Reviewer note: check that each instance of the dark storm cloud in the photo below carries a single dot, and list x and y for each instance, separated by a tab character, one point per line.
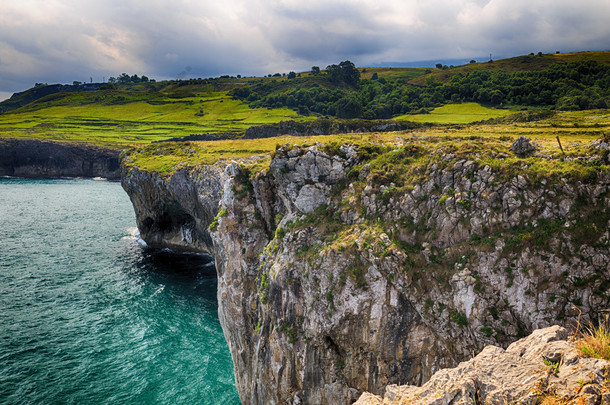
68	40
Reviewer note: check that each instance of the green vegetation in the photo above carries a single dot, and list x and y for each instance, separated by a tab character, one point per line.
486	330
463	113
263	287
553	365
524	63
458	318
122	118
290	331
577	85
137	111
214	224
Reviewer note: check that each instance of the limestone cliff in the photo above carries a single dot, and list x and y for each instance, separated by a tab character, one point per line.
45	159
545	364
343	269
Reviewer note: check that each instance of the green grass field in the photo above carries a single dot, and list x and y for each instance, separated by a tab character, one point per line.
113	119
576	130
138	114
457	114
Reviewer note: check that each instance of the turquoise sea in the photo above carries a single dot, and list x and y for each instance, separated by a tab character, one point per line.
89	316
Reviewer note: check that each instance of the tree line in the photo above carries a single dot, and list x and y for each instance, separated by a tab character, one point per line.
340	92
125	78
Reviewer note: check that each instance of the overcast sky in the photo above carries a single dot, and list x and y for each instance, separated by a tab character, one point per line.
59	41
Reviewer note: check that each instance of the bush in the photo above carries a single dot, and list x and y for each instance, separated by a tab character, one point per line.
458	318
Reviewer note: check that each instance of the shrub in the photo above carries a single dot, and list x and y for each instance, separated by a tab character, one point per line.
486	330
458	318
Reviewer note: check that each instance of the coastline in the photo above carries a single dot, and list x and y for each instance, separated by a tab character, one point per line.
32	158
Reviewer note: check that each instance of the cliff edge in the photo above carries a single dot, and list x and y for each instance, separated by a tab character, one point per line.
544	364
348	268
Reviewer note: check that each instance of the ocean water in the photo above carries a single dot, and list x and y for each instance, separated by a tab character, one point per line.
89	316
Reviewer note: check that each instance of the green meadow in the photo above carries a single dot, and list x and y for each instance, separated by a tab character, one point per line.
457	114
114	120
576	130
135	113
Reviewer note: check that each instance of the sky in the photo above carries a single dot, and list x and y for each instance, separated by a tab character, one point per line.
61	41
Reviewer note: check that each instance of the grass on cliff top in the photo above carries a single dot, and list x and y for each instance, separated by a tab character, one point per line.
595	341
123	118
576	130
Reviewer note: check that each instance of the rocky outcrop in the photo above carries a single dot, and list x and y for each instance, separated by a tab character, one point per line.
45	159
327	127
305	128
522	147
546	363
345	269
175	212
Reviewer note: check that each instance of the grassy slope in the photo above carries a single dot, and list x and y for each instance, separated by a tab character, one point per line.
516	64
457	114
111	121
137	114
575	129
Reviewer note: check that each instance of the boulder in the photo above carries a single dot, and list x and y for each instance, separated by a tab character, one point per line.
522	147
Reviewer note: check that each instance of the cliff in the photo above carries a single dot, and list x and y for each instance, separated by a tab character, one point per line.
546	365
46	159
346	268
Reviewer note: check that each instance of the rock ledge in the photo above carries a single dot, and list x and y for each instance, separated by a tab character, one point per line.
544	362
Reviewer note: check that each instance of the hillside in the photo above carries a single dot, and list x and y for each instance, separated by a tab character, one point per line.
525	63
123	114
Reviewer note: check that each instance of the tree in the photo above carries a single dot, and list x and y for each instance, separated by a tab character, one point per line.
315	70
343	73
292	75
348	107
439	65
473	61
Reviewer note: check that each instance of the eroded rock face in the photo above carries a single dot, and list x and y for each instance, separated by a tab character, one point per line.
334	280
34	158
175	212
545	362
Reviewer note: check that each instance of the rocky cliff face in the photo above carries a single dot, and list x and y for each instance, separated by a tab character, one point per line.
344	269
545	364
46	159
175	213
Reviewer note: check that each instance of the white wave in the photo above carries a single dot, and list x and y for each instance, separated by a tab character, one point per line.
134	234
158	291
